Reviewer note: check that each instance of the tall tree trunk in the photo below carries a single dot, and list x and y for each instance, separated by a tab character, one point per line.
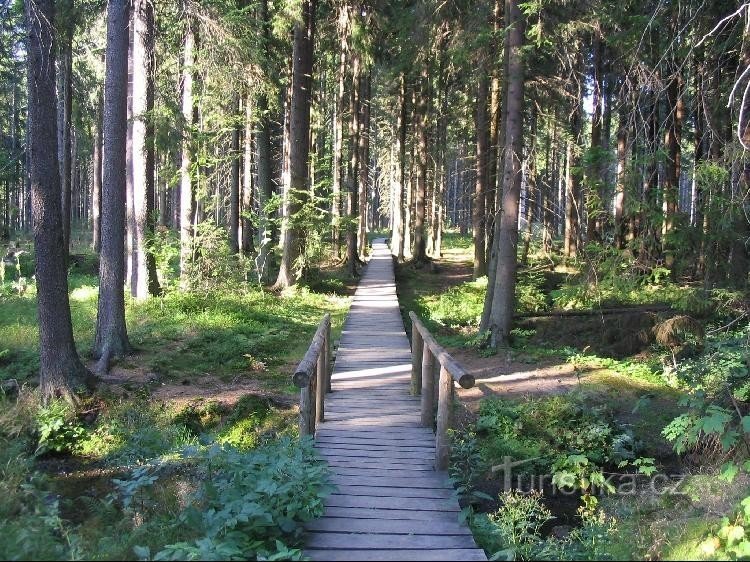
111	338
145	282
299	136
187	195
478	216
337	167
622	161
672	168
574	172
354	163
61	372
96	203
504	286
248	199
531	188
65	119
397	237
364	157
595	181
420	121
234	181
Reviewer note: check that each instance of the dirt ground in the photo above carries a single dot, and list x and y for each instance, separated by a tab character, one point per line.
121	380
499	375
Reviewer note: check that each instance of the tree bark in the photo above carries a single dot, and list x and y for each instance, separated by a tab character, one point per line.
364	158
299	141
187	195
622	161
111	339
234	181
144	280
248	197
503	302
420	216
96	203
397	237
480	191
61	372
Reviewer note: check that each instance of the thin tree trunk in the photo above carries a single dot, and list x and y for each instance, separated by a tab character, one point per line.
478	216
420	216
397	238
187	195
622	160
96	203
145	282
234	181
364	157
111	339
248	199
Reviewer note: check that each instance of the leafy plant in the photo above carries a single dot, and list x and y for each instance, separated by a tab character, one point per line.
58	428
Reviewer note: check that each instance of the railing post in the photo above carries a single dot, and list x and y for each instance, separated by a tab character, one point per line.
417	344
320	384
328	356
304	411
445	403
428	384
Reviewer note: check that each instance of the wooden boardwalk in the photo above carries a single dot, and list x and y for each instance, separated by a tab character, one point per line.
390	503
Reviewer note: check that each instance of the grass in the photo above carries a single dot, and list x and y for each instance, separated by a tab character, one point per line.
246	332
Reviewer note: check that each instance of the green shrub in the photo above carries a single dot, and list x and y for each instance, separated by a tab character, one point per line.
58	428
251	505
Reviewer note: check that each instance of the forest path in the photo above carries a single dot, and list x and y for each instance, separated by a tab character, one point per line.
390	504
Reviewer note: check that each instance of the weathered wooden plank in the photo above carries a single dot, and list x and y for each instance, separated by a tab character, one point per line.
389	454
417	504
426	482
395	492
387	526
390	541
373	445
374	463
385	472
359	555
390	514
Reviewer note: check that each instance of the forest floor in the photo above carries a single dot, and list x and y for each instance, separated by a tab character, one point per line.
563	380
209	368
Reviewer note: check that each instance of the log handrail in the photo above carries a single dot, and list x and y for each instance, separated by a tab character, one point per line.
428	360
317	362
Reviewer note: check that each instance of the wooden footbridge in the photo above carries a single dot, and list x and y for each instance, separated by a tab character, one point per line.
386	447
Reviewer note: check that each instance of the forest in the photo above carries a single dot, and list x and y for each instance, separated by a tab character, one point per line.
188	186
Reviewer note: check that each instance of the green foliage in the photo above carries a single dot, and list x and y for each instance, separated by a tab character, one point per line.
722	367
729	540
550	430
513	532
132	431
58	428
462	305
251	505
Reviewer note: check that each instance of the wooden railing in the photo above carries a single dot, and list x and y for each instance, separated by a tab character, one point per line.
433	372
313	378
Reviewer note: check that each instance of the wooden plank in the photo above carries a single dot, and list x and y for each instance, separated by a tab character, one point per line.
374	445
373	463
414	473
363	452
390	541
417	504
395	492
358	555
392	526
392	481
390	514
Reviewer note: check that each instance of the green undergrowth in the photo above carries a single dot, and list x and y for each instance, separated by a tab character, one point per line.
205	481
240	331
